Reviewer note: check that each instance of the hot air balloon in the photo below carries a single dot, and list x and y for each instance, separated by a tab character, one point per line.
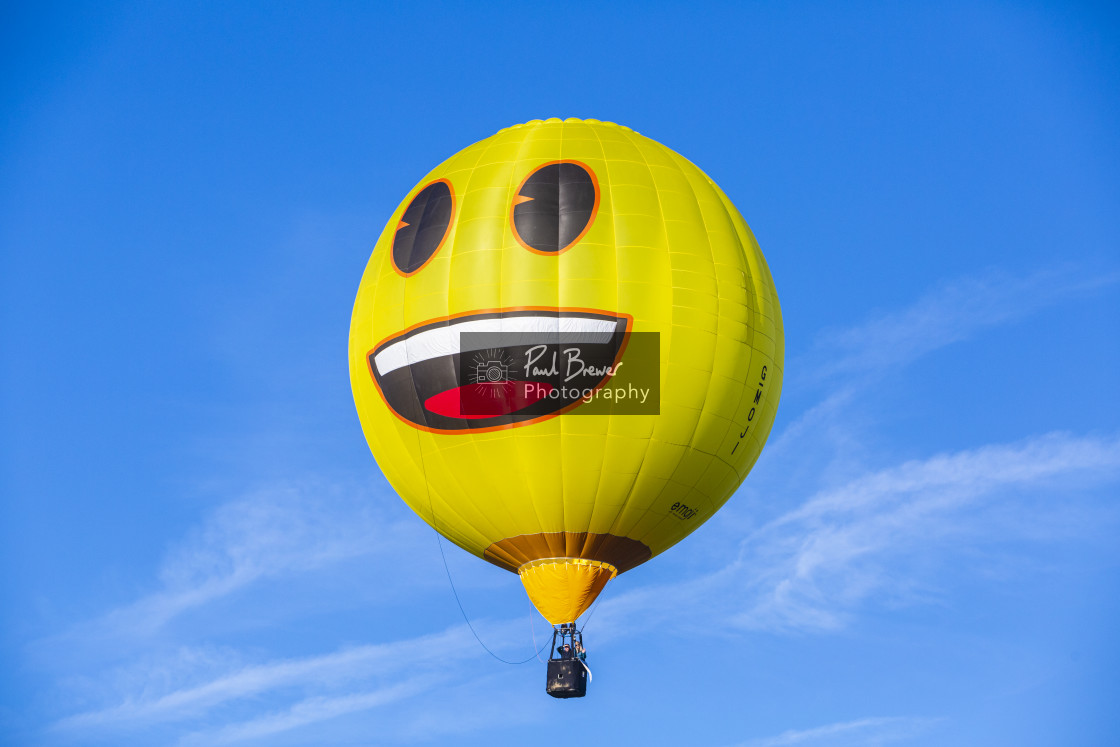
520	299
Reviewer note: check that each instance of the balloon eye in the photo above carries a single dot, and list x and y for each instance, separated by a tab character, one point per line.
554	207
423	227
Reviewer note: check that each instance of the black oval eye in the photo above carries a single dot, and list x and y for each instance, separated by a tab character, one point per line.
555	206
423	227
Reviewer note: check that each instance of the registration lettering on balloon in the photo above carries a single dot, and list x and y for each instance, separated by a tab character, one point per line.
751	412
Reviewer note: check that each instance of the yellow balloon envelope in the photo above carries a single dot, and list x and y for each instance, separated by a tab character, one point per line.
566	353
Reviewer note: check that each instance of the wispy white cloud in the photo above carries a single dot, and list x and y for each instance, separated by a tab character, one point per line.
278	533
273	532
147	702
301	691
817	562
311	711
864	731
812	567
404	712
953	312
831	439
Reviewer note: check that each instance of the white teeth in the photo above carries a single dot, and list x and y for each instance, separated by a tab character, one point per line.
517	330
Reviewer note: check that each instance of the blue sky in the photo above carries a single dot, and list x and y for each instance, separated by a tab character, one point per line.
198	548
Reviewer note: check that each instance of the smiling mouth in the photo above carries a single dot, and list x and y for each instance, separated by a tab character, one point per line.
498	369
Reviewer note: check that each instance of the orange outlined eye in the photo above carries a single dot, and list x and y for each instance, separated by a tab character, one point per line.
554	207
423	227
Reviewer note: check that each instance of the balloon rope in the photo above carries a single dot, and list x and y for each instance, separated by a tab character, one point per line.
533	628
447	570
535	655
587	619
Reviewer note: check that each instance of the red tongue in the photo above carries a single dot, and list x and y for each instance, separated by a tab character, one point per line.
487	400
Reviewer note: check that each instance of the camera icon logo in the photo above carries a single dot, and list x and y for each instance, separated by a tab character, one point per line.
491	372
490	367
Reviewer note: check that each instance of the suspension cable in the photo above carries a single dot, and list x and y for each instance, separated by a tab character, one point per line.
587	619
466	619
447	570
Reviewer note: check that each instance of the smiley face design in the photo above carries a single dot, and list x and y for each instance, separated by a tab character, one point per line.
424	374
515	287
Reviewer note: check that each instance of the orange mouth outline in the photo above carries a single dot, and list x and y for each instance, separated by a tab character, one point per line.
475	312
